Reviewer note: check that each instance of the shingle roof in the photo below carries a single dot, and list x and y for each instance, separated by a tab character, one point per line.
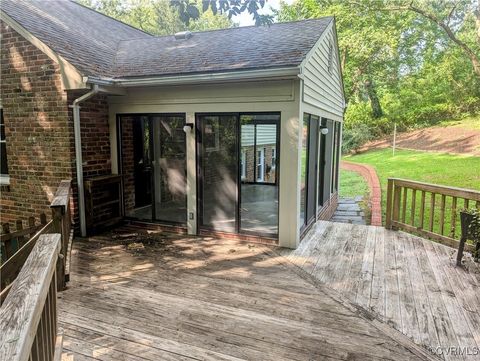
280	45
101	46
86	38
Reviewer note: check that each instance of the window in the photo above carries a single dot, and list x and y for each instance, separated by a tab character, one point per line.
336	155
3	151
260	164
304	170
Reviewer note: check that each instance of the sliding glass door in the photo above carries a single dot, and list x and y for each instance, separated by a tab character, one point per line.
238	173
218	170
153	163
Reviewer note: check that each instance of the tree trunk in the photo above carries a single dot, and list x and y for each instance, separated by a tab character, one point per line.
377	111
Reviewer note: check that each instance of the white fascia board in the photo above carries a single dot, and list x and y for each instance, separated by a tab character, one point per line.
289	72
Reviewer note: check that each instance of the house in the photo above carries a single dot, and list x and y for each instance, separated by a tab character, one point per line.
233	132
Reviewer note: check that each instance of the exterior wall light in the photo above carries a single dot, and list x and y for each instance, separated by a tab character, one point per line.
324	131
187	128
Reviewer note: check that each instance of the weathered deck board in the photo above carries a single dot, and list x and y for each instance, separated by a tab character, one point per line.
407	281
192	298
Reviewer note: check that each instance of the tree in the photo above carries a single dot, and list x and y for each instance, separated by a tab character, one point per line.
157	17
399	65
189	10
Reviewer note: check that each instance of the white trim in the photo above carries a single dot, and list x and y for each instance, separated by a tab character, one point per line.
243	159
237	75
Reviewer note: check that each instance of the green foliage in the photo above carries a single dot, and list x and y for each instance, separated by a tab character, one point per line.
354	138
158	17
418	74
188	9
474	225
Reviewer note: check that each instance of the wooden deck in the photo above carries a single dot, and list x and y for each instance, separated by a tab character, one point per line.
407	281
192	298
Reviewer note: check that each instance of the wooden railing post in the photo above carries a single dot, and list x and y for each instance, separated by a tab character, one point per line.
388	216
57	226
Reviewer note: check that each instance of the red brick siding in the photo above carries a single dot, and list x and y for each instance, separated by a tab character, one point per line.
39	130
36	124
128	166
95	133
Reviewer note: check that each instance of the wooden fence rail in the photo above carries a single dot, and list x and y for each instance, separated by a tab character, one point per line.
60	223
28	317
428	209
11	242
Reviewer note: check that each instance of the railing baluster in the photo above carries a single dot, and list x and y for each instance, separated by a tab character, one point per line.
466	203
388	216
412	212
396	203
422	210
454	217
442	214
404	204
432	211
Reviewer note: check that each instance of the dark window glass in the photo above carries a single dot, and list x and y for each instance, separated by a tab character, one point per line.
304	169
259	186
3	146
219	172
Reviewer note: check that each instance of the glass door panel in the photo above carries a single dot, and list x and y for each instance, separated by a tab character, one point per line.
169	169
218	170
259	186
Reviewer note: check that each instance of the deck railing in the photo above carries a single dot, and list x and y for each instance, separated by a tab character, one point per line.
427	209
28	317
60	223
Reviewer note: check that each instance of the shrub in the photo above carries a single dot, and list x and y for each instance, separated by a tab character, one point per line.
354	138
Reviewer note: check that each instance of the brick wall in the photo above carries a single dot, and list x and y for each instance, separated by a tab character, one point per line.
38	134
95	133
128	166
39	130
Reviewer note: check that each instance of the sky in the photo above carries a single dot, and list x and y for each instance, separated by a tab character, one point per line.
245	19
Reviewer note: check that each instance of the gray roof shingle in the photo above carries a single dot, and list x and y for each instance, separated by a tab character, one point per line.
101	46
86	38
280	45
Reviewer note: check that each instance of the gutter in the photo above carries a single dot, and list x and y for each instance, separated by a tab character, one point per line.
196	78
78	156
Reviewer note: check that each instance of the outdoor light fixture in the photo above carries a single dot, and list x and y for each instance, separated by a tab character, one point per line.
324	131
187	127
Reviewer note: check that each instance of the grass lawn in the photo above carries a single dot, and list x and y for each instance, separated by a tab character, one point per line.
352	184
442	169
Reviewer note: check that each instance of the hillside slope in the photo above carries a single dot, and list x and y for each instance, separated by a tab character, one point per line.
462	137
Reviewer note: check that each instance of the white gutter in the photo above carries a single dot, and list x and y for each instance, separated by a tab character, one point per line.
197	78
78	156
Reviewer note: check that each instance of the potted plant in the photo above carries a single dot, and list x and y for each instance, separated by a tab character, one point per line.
470	222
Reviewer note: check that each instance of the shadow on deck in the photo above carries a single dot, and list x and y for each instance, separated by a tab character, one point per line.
201	298
408	282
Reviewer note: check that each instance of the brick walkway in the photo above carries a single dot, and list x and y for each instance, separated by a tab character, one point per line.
370	175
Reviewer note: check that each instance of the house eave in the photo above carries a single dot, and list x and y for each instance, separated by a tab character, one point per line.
244	75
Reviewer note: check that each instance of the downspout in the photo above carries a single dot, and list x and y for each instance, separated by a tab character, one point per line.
78	156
